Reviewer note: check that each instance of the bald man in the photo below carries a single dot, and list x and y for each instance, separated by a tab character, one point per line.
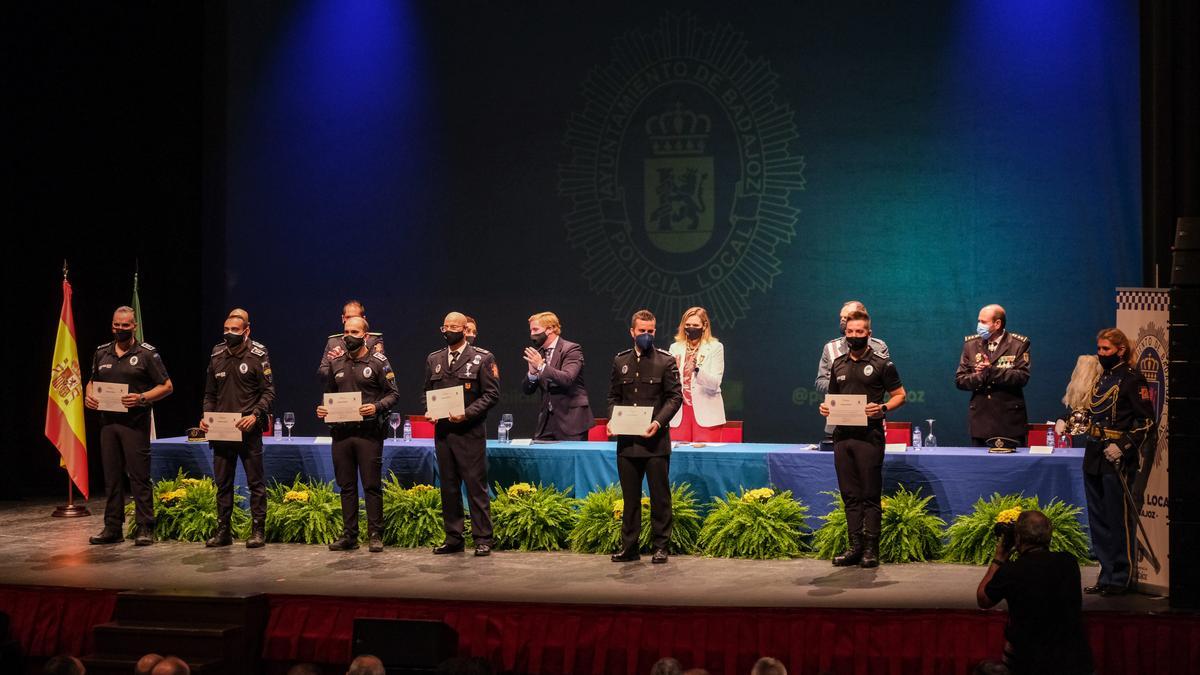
995	368
461	440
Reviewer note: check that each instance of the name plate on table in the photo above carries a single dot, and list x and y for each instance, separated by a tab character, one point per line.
895	448
108	395
1041	450
631	420
222	426
847	410
343	406
443	403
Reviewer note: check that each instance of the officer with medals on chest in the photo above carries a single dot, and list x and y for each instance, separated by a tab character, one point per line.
335	344
1120	414
239	380
358	446
858	451
460	441
645	376
125	436
994	367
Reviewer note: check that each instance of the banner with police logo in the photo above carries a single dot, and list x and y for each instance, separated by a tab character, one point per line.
1142	314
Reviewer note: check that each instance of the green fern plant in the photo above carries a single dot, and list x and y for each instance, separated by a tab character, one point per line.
760	524
598	528
412	517
186	509
533	517
971	538
303	512
908	532
832	538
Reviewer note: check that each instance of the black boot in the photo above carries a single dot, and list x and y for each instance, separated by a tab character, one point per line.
852	555
870	554
108	536
258	535
348	542
221	537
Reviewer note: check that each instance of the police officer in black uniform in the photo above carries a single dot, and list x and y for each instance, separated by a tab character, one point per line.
335	346
858	451
239	380
645	376
358	446
994	367
1122	420
125	436
461	441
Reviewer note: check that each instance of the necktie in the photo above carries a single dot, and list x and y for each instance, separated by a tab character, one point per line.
454	358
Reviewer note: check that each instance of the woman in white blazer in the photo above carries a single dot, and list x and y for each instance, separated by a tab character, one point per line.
701	359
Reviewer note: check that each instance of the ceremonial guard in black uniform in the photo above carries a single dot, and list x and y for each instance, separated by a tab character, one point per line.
461	441
125	436
358	446
995	368
645	376
239	380
1121	414
858	451
335	345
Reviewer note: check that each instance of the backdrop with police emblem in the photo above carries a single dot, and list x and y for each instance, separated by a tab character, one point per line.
765	161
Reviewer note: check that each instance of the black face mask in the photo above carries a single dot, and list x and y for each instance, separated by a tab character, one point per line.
693	333
857	343
123	334
353	343
539	339
232	340
1109	361
453	337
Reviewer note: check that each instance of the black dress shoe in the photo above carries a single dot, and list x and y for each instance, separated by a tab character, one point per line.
376	545
483	550
445	549
221	537
660	556
626	556
107	536
1110	591
346	543
145	537
1093	590
258	538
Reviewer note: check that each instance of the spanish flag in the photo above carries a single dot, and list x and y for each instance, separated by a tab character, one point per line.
64	408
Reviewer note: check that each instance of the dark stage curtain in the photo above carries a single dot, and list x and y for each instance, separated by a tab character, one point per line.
52	620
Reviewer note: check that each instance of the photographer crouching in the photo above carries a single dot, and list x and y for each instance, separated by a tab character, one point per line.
1045	631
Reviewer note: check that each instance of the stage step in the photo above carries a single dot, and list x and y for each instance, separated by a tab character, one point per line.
216	633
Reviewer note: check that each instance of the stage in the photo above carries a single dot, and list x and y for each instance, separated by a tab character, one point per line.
564	612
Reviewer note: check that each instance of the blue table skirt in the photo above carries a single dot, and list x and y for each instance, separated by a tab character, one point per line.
956	477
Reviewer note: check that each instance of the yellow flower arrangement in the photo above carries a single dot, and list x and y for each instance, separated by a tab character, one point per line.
173	495
518	490
883	503
294	496
618	509
421	487
645	502
761	495
1008	515
191	481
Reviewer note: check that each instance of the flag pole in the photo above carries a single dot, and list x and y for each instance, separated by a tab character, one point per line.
70	509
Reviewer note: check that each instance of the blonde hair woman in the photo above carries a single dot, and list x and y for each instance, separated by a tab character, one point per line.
701	359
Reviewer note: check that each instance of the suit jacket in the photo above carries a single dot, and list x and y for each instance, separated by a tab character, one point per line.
565	410
652	380
476	371
707	404
997	405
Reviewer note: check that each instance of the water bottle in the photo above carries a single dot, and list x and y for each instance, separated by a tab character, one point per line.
916	436
1050	436
407	430
278	428
502	433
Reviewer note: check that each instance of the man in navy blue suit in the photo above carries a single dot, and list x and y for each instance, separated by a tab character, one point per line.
556	369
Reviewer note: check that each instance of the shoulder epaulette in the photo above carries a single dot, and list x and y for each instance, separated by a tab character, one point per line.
1018	336
218	348
663	351
375	334
972	337
381	356
481	350
435	352
258	344
147	345
336	335
625	352
106	344
258	352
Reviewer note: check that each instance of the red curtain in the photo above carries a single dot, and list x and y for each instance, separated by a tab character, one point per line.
49	620
627	640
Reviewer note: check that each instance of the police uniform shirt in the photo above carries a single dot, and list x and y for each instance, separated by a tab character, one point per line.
336	343
476	371
140	367
239	380
650	379
997	407
1120	402
873	375
372	375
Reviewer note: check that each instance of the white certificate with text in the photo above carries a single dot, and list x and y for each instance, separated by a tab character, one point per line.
222	426
631	420
109	395
847	410
442	403
343	406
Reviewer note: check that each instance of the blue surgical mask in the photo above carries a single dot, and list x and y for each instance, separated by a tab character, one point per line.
645	342
983	331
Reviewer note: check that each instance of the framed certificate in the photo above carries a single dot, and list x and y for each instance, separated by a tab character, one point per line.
631	420
847	410
343	406
109	395
442	403
222	426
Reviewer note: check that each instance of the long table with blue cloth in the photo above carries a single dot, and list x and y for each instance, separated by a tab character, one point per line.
956	477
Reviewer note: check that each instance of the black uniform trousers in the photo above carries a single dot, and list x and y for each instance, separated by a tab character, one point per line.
225	459
1112	525
462	459
859	465
358	453
656	470
125	449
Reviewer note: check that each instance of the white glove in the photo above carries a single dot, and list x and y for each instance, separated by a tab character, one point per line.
1112	453
1060	428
